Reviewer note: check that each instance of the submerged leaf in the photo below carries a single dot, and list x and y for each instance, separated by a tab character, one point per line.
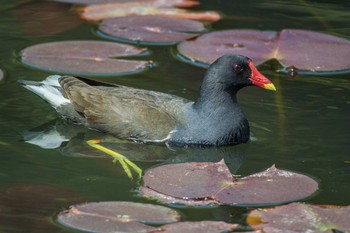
155	29
116	217
84	57
43	18
301	217
212	183
297	49
156	8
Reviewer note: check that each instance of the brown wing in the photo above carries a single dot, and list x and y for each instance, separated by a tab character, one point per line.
123	111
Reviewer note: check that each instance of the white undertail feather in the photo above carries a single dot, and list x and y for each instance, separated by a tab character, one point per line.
49	90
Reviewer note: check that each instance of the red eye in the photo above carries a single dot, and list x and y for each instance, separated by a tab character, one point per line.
237	68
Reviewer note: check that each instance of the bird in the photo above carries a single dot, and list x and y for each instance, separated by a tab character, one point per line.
146	116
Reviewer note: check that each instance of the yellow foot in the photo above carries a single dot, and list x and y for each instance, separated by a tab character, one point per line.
125	162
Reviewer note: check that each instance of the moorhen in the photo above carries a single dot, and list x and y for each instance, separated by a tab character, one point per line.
215	119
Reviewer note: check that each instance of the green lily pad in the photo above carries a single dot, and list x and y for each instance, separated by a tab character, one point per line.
84	58
212	183
151	29
301	50
301	217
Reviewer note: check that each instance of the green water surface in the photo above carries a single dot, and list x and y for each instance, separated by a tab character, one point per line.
303	127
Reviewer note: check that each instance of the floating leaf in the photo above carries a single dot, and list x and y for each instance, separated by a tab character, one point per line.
301	217
117	216
164	3
200	227
84	57
188	180
299	49
154	29
212	183
156	8
45	18
272	186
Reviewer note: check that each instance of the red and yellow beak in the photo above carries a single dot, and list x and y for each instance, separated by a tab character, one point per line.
260	80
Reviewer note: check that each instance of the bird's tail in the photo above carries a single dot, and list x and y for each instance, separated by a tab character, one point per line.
49	90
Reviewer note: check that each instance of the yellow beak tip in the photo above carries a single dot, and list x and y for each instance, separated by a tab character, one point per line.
270	87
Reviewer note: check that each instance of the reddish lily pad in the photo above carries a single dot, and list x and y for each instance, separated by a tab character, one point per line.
84	57
117	217
210	183
164	3
200	227
151	29
156	8
297	49
301	217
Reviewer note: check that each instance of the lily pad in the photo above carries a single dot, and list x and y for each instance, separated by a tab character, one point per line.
200	227
298	49
165	3
156	8
1	75
212	183
151	29
117	217
84	58
301	217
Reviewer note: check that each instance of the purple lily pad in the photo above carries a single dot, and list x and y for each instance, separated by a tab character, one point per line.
200	227
298	49
168	3
188	180
272	186
299	217
208	47
156	7
84	57
151	29
212	183
117	217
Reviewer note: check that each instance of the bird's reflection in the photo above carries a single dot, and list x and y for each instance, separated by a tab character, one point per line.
71	139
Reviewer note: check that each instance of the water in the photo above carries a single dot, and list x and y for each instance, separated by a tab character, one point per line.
303	127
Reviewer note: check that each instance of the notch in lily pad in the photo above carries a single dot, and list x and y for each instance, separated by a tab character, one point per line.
212	183
88	58
303	51
153	30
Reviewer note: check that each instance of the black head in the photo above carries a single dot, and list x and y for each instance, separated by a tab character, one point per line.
233	72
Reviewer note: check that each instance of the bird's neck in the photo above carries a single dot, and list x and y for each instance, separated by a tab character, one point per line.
213	95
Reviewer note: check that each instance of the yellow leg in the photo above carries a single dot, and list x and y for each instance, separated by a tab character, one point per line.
125	162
